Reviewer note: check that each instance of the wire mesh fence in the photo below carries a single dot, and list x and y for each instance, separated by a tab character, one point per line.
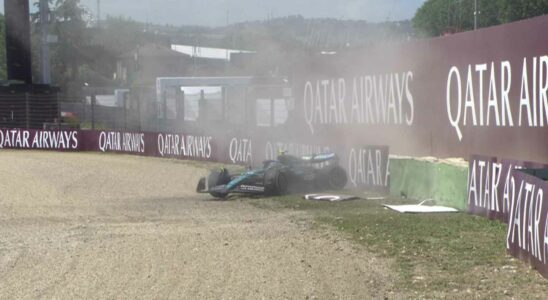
134	110
28	109
196	109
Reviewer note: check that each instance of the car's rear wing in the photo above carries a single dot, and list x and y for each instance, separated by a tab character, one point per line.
320	158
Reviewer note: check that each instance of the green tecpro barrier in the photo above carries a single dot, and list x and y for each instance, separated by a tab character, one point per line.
429	179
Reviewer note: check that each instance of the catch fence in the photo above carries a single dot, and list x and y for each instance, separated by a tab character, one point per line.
28	109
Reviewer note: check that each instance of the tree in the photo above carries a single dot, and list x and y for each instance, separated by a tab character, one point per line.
436	17
85	54
515	10
69	53
121	35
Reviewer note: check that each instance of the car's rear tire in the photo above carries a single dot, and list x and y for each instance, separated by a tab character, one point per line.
276	182
216	178
281	184
337	178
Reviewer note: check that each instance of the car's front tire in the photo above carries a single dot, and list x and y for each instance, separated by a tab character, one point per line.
216	178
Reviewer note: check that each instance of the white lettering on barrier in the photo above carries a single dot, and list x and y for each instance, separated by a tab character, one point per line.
23	139
483	183
240	151
371	100
187	146
524	227
495	181
365	167
118	141
533	100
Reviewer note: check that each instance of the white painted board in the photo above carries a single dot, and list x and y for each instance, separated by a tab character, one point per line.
418	208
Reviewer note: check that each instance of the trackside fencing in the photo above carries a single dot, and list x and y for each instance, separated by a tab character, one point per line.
28	109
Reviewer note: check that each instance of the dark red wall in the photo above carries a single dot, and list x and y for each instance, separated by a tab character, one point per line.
426	66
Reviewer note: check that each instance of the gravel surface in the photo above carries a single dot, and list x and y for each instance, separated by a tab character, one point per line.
80	225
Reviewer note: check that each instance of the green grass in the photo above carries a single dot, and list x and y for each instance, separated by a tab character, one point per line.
446	253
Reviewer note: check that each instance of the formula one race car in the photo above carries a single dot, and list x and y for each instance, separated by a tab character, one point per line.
277	177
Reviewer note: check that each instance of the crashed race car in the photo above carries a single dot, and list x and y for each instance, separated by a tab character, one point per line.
277	177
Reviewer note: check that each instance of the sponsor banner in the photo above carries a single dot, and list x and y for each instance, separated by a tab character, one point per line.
527	236
367	167
62	140
483	180
505	194
115	141
490	185
251	188
472	92
504	190
184	146
240	151
357	101
169	145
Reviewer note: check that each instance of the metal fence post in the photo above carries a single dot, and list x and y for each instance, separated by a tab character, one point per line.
182	106
27	112
246	107
138	97
83	117
125	97
224	102
272	117
93	111
58	105
203	110
164	110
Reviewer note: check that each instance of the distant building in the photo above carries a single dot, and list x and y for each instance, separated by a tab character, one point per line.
208	53
233	62
143	65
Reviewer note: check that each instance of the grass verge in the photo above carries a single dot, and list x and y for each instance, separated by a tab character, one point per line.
434	255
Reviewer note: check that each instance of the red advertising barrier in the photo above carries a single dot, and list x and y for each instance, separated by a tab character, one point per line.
504	190
483	181
527	236
168	145
69	140
367	166
478	92
491	185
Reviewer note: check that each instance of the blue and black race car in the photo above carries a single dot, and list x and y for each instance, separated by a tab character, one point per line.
277	177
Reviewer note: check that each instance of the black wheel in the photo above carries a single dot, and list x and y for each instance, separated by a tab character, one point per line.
337	178
216	178
276	182
201	185
281	184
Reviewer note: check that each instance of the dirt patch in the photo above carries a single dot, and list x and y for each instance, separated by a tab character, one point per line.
111	226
